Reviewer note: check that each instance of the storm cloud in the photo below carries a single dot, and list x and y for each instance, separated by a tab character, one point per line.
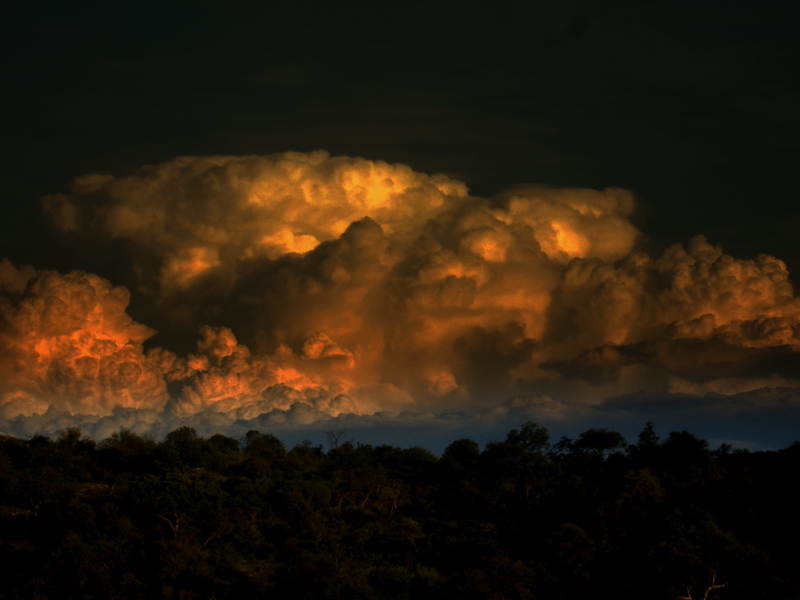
309	287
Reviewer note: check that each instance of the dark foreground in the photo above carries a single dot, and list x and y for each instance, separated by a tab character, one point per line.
223	518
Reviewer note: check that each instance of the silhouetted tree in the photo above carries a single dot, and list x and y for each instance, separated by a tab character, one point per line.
600	442
531	436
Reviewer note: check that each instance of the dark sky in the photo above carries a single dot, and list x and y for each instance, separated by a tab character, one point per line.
691	105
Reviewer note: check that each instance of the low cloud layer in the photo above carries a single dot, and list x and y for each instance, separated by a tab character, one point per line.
316	287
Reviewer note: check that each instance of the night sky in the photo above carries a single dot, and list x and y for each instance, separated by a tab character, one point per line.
685	113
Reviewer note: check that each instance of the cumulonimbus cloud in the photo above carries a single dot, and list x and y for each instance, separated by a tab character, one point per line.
66	340
354	286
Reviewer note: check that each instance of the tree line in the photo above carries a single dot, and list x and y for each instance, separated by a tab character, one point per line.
591	517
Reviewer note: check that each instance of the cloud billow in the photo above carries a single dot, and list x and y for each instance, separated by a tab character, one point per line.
351	286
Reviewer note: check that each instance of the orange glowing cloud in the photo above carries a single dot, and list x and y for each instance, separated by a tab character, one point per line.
352	286
66	340
198	214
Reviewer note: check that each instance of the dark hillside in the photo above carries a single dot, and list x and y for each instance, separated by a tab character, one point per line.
592	517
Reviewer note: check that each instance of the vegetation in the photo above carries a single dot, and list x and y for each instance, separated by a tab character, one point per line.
223	518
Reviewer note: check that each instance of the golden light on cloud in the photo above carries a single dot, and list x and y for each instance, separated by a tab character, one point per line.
67	340
567	241
348	285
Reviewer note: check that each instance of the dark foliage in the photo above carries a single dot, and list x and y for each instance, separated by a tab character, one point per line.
221	518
